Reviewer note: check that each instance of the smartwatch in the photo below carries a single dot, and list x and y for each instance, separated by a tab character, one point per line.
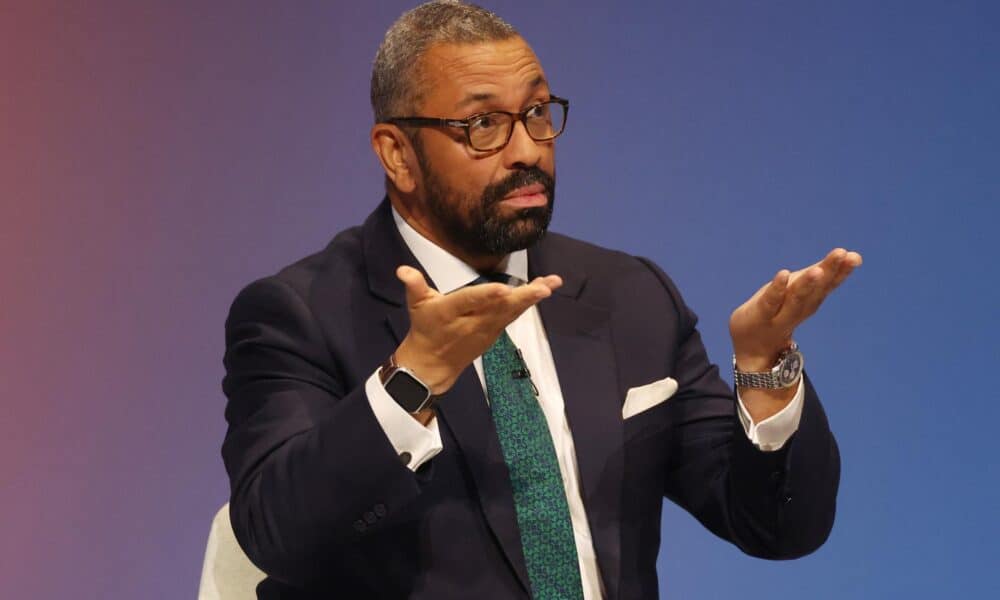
404	386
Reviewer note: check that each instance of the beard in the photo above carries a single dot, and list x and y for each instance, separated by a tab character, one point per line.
479	226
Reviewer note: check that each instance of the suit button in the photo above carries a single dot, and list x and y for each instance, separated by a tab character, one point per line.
379	510
788	499
360	525
370	517
404	457
775	476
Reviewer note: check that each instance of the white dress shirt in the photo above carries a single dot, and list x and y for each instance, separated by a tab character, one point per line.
527	332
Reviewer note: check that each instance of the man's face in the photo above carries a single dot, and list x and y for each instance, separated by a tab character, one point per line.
485	203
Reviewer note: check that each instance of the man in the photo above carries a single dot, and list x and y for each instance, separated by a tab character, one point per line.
447	402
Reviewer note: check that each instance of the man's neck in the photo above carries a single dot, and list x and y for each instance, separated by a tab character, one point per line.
419	221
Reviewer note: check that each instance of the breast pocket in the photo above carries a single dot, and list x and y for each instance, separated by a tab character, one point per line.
644	397
644	408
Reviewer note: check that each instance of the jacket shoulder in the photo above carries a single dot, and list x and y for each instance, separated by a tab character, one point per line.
607	266
341	259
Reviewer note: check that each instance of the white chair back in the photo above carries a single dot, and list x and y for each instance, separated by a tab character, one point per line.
227	573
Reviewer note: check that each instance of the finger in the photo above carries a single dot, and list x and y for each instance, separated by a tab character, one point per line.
852	260
524	297
836	271
553	282
832	276
831	265
831	262
475	298
828	264
417	289
531	293
837	265
809	287
773	294
797	303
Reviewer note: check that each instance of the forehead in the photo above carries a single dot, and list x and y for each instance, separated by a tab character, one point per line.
483	75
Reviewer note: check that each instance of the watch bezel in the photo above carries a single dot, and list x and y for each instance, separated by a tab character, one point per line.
791	358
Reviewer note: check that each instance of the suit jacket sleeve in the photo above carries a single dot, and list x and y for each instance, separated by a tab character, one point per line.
306	457
774	505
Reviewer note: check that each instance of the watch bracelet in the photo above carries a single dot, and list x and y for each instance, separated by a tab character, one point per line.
764	381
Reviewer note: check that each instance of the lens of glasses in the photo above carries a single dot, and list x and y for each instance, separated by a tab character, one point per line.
545	121
490	131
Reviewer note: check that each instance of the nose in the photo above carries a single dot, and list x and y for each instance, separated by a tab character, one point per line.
521	151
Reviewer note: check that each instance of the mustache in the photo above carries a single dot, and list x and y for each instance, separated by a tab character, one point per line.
496	192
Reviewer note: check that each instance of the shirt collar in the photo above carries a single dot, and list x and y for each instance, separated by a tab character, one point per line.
448	272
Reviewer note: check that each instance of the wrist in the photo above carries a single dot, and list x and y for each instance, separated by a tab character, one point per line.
756	358
751	363
424	417
435	374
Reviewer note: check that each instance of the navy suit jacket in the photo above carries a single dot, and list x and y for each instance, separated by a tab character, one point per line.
321	502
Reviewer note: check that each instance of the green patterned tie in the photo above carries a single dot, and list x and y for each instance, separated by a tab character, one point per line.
539	496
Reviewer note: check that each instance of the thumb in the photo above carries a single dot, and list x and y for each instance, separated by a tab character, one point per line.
417	289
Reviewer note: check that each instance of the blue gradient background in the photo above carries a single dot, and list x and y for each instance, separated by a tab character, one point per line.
157	156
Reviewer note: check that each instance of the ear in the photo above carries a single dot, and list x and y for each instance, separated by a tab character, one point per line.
396	154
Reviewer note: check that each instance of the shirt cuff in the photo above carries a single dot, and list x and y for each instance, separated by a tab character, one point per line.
414	443
773	432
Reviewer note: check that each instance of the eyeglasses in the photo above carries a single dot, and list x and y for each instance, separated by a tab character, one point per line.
491	131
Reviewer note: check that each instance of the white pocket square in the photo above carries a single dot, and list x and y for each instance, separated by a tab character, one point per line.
647	396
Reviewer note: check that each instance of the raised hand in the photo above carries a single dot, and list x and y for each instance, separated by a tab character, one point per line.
448	331
763	325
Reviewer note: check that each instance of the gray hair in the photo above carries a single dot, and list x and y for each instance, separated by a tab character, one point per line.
395	74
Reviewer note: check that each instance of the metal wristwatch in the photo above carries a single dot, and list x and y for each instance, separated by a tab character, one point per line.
404	386
785	374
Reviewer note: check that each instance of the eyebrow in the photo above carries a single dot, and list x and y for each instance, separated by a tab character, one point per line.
487	96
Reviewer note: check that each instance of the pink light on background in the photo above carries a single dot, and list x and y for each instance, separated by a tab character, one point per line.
87	304
134	142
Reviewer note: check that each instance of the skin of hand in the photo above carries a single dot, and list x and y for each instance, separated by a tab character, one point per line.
448	331
762	327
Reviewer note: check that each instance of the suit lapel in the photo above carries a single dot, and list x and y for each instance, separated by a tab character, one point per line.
463	410
580	338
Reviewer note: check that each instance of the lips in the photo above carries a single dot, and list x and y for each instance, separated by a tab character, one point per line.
527	196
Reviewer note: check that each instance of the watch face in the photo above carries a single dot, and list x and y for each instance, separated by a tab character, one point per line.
791	367
407	390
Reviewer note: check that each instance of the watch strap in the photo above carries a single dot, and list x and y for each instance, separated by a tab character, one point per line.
387	369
